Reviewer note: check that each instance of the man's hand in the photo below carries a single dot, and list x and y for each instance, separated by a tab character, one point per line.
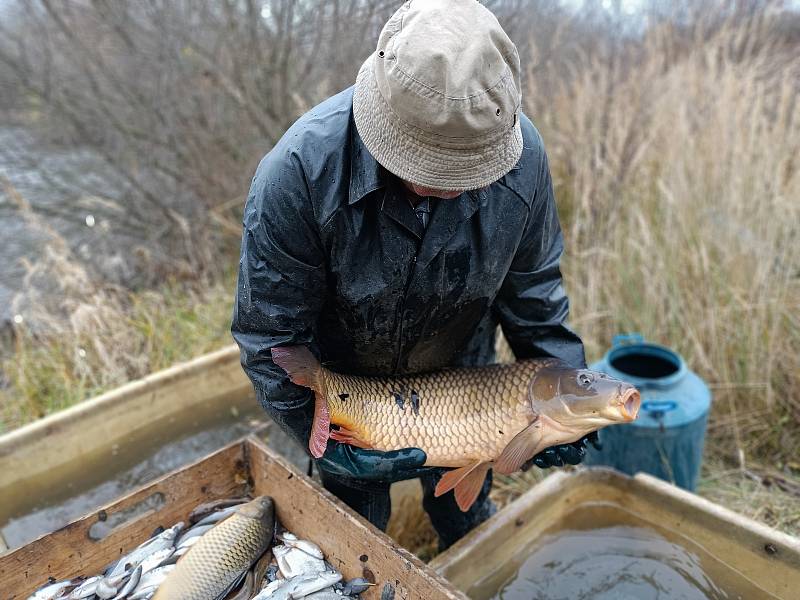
564	454
344	460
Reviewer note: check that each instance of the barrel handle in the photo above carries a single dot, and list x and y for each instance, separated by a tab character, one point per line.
659	406
623	339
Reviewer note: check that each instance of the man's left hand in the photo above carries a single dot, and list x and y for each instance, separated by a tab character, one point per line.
564	454
349	462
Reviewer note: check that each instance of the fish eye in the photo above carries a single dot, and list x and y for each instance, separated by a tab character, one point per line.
585	379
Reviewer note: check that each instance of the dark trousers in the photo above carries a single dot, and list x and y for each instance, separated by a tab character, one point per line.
372	501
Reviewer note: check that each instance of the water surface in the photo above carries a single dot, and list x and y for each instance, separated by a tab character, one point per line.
604	553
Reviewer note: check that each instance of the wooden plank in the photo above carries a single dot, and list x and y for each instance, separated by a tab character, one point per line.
349	542
71	551
767	557
44	459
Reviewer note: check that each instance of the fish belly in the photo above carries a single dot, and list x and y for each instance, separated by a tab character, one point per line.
456	416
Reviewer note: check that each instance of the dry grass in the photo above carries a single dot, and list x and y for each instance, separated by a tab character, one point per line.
80	337
677	168
761	493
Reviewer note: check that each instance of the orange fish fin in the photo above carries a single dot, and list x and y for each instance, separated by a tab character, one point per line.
520	449
468	488
467	482
347	436
304	369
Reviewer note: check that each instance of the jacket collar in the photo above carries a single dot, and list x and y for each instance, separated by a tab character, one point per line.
366	175
446	219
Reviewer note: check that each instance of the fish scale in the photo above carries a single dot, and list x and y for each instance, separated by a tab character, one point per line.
456	410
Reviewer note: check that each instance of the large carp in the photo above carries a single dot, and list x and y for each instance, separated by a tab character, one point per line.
497	416
212	567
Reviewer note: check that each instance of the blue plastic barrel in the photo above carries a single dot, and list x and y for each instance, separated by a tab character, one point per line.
667	439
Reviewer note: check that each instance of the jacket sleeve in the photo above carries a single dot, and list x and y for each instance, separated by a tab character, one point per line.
532	305
281	286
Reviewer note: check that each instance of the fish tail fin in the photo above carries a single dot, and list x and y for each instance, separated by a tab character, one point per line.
304	369
466	483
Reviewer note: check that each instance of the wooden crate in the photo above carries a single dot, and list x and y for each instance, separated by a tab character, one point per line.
349	542
766	557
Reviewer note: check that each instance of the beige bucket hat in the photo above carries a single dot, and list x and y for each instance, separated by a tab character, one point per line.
438	102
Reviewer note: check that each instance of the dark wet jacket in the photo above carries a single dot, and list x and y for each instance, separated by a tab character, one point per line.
334	257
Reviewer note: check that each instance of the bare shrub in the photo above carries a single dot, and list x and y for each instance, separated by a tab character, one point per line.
181	99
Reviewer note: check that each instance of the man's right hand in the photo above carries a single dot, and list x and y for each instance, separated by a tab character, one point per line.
344	460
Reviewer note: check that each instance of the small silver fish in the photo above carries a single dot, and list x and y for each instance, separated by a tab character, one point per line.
300	586
105	590
156	559
216	517
150	582
108	586
194	532
51	590
188	543
165	539
205	509
154	578
86	589
144	593
130	585
309	548
293	561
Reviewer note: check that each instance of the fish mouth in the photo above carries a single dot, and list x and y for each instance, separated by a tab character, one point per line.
629	407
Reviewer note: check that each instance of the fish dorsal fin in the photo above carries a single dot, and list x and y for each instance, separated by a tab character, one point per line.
520	449
466	482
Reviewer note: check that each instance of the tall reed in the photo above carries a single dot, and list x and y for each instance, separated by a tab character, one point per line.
676	160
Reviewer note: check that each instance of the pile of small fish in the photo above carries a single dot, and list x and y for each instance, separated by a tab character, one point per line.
226	553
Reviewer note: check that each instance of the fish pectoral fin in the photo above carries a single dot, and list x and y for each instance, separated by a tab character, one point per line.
320	428
347	436
233	585
304	369
466	482
520	449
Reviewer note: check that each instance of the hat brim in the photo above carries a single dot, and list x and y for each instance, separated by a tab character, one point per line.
424	159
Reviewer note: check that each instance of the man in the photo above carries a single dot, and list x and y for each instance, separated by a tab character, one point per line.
393	227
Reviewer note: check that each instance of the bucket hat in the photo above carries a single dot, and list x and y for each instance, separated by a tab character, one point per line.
438	102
